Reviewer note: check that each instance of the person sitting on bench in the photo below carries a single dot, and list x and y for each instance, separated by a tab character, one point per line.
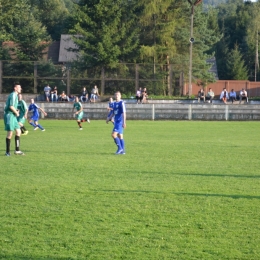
210	95
243	95
201	95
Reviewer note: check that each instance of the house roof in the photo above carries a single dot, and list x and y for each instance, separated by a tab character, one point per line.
67	45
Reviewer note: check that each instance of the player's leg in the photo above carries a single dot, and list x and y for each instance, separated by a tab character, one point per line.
8	142
31	122
122	142
17	142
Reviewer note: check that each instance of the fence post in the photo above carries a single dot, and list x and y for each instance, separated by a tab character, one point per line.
190	112
170	81
35	72
153	112
68	80
226	113
102	81
136	77
1	74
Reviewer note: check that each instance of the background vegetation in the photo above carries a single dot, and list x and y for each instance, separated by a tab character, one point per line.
148	32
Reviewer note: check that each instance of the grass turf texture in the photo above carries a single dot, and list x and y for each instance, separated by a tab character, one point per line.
184	190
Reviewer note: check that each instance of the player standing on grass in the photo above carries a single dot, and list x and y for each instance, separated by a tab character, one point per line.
79	113
10	120
35	116
119	113
23	111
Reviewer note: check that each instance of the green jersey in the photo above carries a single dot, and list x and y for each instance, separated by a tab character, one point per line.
78	106
12	100
22	107
10	119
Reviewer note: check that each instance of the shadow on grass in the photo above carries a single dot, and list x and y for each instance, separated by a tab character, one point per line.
221	175
185	194
15	257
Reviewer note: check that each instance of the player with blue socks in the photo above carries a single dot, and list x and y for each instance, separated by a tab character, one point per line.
34	108
119	113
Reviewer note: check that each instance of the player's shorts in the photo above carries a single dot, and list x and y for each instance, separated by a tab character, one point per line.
35	118
80	115
10	121
21	119
118	128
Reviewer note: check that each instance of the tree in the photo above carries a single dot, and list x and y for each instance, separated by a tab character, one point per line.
53	14
107	31
236	66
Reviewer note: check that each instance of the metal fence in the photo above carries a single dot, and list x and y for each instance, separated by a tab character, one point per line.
126	77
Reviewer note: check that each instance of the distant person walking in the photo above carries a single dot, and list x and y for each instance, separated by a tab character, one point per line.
34	119
79	113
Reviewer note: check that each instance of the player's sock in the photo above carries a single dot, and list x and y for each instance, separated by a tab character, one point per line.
40	127
8	142
22	129
83	120
117	141
17	143
122	142
34	125
79	124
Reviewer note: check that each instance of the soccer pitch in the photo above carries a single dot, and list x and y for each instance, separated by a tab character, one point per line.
184	190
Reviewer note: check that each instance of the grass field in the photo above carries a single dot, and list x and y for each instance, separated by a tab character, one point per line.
184	190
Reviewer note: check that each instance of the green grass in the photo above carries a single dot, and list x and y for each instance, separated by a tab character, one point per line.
184	190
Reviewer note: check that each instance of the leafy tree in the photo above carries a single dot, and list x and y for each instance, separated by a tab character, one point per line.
53	14
236	66
107	29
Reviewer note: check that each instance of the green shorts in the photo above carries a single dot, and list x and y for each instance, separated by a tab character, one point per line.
21	120
10	121
80	115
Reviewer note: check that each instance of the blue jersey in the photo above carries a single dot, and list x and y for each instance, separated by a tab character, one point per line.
119	110
110	105
35	109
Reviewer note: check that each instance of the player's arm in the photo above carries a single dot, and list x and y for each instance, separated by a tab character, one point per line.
43	111
124	122
109	117
16	112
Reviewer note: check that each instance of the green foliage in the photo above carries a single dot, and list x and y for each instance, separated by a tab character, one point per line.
235	65
70	197
107	32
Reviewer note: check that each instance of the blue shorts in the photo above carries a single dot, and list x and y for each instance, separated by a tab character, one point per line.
35	118
118	128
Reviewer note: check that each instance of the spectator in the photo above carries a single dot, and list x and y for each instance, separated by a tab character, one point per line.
63	96
138	96
201	95
47	91
232	95
243	95
54	94
71	98
144	96
84	95
210	95
94	94
224	95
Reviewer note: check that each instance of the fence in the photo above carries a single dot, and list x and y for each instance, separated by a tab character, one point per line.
33	76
